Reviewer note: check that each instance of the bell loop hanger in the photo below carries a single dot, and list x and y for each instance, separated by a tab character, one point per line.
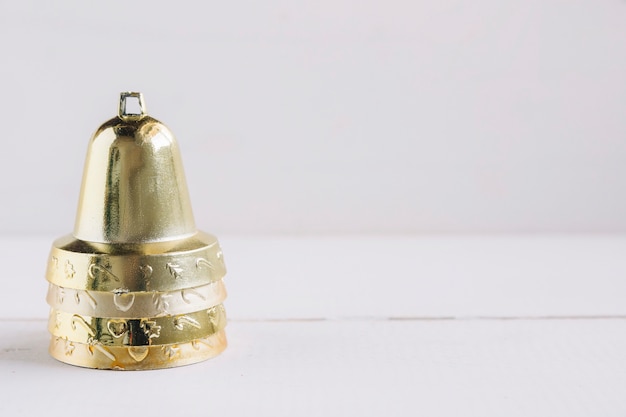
124	111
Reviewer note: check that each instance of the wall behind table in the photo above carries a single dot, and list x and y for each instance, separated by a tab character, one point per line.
330	116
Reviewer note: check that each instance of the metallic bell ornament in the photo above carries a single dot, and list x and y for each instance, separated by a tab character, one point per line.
136	285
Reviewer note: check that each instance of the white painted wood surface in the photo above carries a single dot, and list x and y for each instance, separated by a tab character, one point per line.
397	326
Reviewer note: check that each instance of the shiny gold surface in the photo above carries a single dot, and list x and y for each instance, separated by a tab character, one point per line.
135	286
181	328
131	358
134	187
135	304
194	261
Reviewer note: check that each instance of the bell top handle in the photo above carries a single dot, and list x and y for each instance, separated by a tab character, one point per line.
123	111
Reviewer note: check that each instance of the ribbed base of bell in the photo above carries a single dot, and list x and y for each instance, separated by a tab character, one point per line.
131	358
158	266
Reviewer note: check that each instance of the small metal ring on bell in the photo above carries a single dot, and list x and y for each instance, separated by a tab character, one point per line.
136	285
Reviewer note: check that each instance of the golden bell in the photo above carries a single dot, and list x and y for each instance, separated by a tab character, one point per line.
135	286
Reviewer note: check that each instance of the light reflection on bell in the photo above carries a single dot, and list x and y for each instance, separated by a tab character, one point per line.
135	286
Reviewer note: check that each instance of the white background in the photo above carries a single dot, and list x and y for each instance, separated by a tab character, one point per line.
330	116
326	143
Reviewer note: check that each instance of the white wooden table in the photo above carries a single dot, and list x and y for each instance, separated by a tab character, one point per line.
380	326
